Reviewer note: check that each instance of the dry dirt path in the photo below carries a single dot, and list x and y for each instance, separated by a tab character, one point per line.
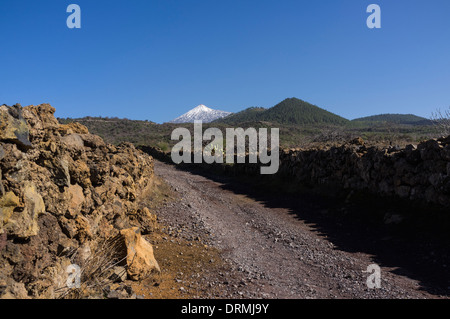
271	251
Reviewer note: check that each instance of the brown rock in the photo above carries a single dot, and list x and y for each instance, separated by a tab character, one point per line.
13	127
34	205
11	289
76	199
24	222
84	232
140	259
144	219
72	128
85	185
119	274
8	203
93	141
80	173
40	117
73	142
357	141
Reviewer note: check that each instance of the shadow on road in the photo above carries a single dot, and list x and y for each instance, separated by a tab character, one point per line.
410	238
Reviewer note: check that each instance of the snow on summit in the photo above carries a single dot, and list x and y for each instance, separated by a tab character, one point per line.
201	113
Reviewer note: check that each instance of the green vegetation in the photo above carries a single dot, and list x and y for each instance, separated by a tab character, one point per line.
116	131
295	111
248	115
301	125
396	118
290	111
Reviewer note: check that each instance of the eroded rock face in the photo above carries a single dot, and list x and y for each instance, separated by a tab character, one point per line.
62	188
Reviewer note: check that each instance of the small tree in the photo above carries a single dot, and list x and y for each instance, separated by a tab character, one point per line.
441	120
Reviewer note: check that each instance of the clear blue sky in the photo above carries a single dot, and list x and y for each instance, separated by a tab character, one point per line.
156	59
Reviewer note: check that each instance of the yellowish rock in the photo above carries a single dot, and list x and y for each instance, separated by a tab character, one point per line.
140	259
27	221
76	199
7	204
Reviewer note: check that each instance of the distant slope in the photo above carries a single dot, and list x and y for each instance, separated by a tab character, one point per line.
248	115
410	119
116	131
296	111
290	111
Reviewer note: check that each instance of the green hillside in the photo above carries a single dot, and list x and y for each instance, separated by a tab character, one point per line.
300	124
409	119
290	111
248	115
295	111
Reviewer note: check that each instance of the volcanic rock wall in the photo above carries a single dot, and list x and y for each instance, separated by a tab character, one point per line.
64	192
419	172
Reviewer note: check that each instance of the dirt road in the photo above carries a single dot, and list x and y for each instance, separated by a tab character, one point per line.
277	247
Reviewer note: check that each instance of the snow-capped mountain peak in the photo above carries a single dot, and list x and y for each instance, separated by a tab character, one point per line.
201	113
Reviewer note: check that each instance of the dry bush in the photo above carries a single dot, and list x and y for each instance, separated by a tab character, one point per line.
441	120
97	269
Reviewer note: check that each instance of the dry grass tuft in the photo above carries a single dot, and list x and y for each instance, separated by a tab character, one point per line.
96	270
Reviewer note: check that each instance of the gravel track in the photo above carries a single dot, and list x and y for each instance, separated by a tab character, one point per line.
272	252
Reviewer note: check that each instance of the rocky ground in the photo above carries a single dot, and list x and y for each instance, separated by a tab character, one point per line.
223	239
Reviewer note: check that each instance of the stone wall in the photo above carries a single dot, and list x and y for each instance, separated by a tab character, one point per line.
64	193
417	172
